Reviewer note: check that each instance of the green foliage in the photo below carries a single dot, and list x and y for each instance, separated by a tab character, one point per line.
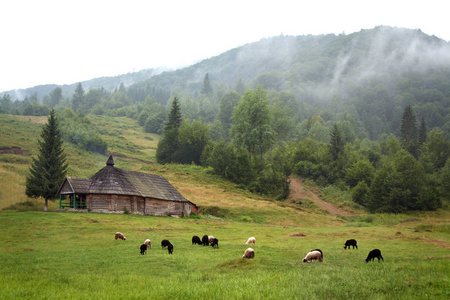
215	211
408	131
78	130
193	138
252	118
48	170
169	144
78	97
207	88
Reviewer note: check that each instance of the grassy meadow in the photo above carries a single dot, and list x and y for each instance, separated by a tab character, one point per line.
74	255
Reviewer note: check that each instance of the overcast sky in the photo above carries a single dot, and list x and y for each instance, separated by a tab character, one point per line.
65	41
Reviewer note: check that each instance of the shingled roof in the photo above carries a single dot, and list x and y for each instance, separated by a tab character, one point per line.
112	180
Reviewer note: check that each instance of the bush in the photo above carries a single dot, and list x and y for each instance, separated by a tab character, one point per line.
214	211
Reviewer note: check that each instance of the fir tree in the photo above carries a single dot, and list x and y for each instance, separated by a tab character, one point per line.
408	131
77	97
48	171
169	144
336	143
207	89
422	132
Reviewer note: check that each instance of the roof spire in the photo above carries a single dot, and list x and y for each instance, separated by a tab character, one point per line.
110	161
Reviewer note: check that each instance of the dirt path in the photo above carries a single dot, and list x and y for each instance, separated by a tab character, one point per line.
297	191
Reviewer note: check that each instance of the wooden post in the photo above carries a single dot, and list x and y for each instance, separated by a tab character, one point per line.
74	201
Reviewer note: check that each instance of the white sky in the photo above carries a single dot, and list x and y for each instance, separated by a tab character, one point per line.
66	41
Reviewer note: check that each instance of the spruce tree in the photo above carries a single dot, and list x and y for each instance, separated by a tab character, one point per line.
49	169
336	142
207	89
169	144
422	132
408	131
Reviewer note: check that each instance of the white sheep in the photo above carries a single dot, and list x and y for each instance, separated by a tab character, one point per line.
120	235
210	239
313	255
251	240
148	243
249	253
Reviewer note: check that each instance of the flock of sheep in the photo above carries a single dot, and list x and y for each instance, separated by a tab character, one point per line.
206	240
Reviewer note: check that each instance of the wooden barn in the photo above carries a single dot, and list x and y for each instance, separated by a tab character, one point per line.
113	190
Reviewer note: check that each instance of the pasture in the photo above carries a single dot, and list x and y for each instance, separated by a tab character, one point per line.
75	256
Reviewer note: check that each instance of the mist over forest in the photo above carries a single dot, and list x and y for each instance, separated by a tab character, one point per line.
343	110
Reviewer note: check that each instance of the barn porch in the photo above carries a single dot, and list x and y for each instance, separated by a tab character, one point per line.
72	193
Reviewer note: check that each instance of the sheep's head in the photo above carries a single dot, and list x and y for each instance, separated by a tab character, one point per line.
124	238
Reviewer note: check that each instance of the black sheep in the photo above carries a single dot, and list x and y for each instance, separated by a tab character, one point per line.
143	249
170	248
205	240
215	243
375	253
349	243
196	240
165	243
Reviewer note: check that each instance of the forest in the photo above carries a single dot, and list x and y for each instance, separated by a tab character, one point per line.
364	115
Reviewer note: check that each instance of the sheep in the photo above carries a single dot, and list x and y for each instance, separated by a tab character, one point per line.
120	235
375	253
210	239
215	243
319	251
165	243
196	240
148	243
315	254
251	240
349	243
205	240
143	249
170	248
249	253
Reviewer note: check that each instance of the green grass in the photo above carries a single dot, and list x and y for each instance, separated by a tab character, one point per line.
74	255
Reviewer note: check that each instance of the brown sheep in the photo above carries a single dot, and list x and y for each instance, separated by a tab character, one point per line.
249	253
120	235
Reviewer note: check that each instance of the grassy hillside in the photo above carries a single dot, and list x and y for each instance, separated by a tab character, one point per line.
74	255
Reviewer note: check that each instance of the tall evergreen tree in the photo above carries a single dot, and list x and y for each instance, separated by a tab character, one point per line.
336	142
207	89
174	118
408	131
169	144
48	171
77	97
422	132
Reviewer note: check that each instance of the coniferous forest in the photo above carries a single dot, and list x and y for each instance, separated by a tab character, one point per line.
367	114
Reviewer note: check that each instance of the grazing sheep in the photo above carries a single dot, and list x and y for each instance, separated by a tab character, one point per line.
251	240
120	235
165	243
210	239
375	253
316	254
196	240
170	248
319	251
349	243
143	249
215	243
205	240
249	253
148	243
